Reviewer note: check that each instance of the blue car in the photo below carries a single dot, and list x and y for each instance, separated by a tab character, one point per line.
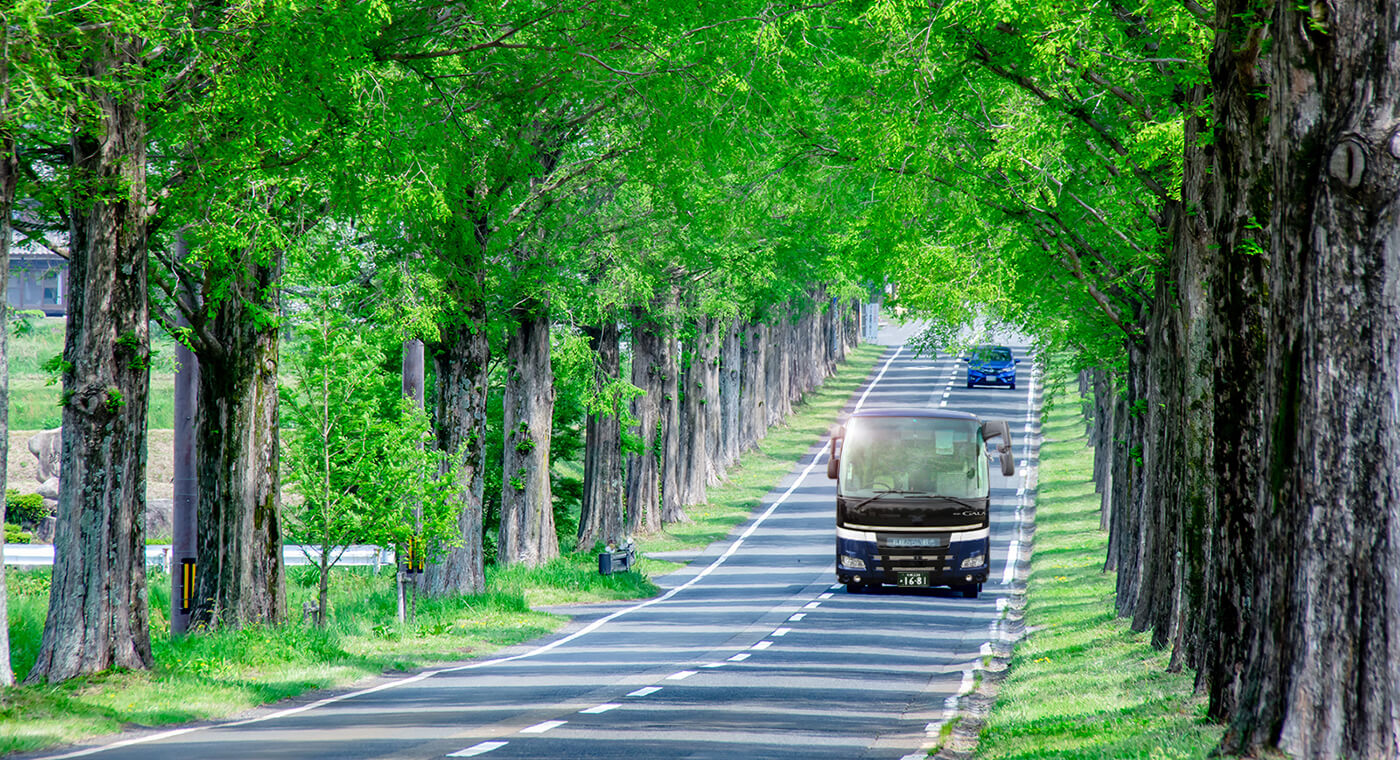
991	365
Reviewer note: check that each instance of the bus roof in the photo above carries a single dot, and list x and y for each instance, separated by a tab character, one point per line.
914	411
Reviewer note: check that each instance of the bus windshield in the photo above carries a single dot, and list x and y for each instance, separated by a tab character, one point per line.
915	455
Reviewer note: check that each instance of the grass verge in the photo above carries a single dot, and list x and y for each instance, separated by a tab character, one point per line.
1082	685
220	674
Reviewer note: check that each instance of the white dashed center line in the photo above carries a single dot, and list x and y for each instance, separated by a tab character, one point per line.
740	657
762	645
477	749
540	728
594	710
713	665
644	691
827	595
680	675
798	617
781	632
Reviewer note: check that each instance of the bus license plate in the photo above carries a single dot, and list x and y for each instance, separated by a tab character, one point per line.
913	579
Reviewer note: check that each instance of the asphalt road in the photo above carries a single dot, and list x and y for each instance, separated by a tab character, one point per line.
751	651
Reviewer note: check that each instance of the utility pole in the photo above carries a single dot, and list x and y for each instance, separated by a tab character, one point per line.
183	512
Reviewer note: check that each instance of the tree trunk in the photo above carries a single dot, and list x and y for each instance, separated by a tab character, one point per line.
779	370
461	362
239	577
671	504
731	367
7	201
527	511
711	340
1232	176
643	474
603	514
1320	676
693	446
753	401
97	616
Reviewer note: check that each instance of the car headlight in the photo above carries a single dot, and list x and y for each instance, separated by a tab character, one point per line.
974	560
855	563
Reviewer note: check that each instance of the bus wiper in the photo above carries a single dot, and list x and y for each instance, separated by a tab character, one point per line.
959	502
880	494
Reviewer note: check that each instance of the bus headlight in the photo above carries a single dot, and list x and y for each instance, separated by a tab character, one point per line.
975	560
855	563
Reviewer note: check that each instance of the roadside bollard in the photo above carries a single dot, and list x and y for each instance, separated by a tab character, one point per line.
616	560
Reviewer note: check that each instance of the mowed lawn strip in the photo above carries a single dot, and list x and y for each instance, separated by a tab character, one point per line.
1082	685
221	674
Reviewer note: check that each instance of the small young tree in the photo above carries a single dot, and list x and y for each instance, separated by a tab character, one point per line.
359	455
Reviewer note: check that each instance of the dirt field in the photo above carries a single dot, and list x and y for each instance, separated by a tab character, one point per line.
160	470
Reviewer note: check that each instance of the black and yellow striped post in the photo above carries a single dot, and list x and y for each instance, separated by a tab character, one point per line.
187	568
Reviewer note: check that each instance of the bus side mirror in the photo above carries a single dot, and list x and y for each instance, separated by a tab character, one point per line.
833	463
1002	430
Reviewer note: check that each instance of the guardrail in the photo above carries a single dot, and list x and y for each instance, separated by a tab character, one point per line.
158	555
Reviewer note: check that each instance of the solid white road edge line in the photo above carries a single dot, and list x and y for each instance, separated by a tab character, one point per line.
876	381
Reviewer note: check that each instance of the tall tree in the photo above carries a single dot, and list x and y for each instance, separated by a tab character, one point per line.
8	179
1320	674
97	604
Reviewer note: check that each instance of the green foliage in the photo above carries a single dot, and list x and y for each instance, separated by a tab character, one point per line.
361	458
16	535
22	322
24	509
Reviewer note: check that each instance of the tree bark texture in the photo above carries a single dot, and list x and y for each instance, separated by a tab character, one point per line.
731	367
97	617
643	471
694	446
779	369
527	510
1322	672
753	404
711	340
239	577
671	464
460	362
603	514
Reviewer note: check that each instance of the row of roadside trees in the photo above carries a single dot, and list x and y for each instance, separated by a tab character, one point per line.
498	183
1196	203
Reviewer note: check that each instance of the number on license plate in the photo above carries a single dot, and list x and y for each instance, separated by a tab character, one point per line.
913	579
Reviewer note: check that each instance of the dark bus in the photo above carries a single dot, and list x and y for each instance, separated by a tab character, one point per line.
912	496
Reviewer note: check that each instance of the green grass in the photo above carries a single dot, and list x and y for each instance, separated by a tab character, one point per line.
214	675
35	393
1083	685
757	471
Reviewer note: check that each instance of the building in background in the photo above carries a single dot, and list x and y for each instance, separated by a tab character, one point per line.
38	281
